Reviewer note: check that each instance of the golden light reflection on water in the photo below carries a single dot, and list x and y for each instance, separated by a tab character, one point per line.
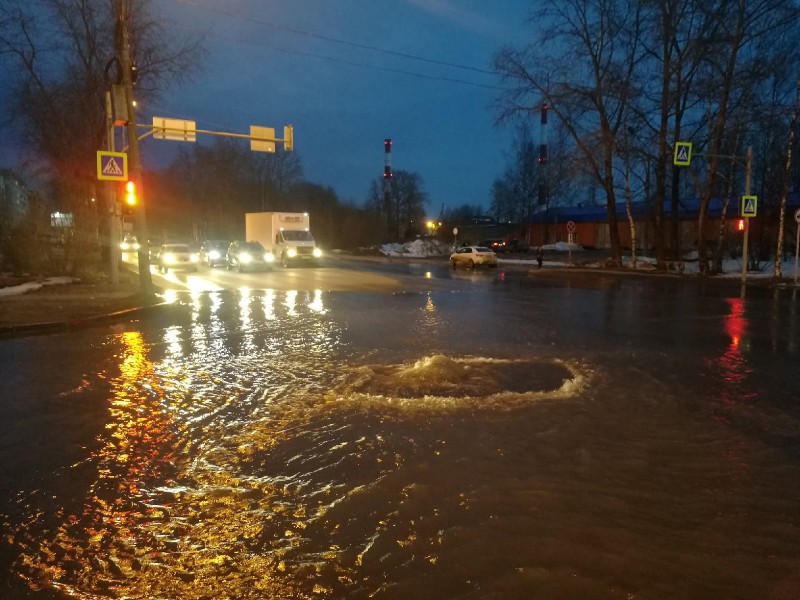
291	303
150	527
316	303
179	508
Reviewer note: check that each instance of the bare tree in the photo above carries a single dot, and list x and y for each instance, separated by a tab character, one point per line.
61	60
583	67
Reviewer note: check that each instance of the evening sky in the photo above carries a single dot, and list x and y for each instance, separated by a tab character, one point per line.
349	73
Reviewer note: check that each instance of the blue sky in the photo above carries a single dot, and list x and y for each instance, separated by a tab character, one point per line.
316	64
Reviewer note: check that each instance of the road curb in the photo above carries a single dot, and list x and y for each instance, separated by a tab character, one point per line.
28	329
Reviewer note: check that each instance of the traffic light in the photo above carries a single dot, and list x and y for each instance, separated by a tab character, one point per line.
740	225
130	194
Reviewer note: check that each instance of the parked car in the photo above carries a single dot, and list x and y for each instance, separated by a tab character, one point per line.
214	252
248	255
177	256
473	256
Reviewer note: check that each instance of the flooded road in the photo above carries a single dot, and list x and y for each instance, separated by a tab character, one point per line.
487	435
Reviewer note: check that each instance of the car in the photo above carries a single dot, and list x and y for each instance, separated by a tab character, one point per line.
244	256
496	245
153	246
177	256
129	243
473	256
214	252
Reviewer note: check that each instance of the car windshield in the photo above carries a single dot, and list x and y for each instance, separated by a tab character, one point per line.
217	245
297	235
176	248
252	247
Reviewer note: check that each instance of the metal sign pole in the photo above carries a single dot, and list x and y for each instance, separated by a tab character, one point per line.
746	219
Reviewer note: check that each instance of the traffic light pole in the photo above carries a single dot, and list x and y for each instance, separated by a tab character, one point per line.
135	167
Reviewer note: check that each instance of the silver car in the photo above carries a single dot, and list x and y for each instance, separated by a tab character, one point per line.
177	256
473	256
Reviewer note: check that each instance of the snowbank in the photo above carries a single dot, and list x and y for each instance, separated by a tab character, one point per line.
30	286
418	248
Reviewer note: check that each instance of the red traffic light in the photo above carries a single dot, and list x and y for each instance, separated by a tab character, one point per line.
740	225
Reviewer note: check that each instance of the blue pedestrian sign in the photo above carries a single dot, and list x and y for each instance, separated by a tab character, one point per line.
112	166
749	206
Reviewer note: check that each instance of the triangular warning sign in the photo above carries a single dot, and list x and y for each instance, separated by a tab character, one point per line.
749	206
112	168
683	153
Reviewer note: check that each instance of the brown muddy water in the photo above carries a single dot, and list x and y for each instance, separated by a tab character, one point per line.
619	441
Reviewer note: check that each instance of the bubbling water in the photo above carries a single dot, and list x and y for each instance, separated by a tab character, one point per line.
443	377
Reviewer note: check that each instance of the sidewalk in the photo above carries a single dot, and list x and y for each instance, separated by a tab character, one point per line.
62	306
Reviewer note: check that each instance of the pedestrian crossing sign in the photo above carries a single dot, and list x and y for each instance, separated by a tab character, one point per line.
112	166
749	206
683	154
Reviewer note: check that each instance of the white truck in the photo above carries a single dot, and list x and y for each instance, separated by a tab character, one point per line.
286	235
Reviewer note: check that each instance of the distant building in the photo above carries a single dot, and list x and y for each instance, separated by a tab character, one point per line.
13	199
590	223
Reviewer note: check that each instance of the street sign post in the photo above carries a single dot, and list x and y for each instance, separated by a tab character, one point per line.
112	166
570	239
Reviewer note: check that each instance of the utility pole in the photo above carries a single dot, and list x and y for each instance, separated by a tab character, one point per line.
135	166
111	203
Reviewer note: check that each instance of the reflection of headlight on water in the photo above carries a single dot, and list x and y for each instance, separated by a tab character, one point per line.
317	253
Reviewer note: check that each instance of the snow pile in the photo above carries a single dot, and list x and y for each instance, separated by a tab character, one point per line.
418	248
30	286
563	247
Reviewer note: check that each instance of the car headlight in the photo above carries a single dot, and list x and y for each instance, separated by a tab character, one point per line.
213	255
169	258
269	257
317	252
194	257
245	257
291	253
136	245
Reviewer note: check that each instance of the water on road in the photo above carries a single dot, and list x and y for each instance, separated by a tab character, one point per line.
504	438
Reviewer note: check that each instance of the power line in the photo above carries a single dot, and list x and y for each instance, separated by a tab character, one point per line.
354	63
336	40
